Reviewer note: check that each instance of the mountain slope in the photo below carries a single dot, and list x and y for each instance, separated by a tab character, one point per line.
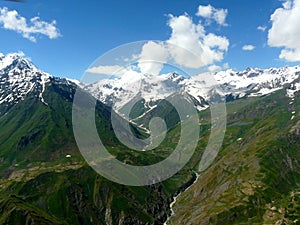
256	178
19	77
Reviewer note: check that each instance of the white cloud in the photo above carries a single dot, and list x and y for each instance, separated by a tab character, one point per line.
211	13
226	66
220	16
248	47
193	41
291	55
152	58
214	68
205	11
11	20
212	40
287	4
189	46
262	28
285	30
108	70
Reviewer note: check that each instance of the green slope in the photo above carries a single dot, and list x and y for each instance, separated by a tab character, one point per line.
256	177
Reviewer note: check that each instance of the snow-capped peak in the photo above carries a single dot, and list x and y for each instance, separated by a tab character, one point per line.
256	82
118	91
18	77
6	60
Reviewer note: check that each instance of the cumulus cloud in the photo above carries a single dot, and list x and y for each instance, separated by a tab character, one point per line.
211	13
262	28
152	58
248	47
287	4
108	70
193	40
11	20
226	66
285	30
214	68
217	68
189	46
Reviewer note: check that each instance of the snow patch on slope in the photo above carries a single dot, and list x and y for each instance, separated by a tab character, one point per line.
290	92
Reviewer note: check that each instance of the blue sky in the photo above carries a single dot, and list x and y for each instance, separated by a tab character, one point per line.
87	29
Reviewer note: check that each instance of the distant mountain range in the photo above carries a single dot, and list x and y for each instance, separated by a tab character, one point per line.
19	76
230	84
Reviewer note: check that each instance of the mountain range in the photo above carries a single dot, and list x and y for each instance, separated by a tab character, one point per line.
141	94
255	178
19	77
202	88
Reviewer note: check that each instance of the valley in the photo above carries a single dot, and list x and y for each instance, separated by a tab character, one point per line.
254	179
